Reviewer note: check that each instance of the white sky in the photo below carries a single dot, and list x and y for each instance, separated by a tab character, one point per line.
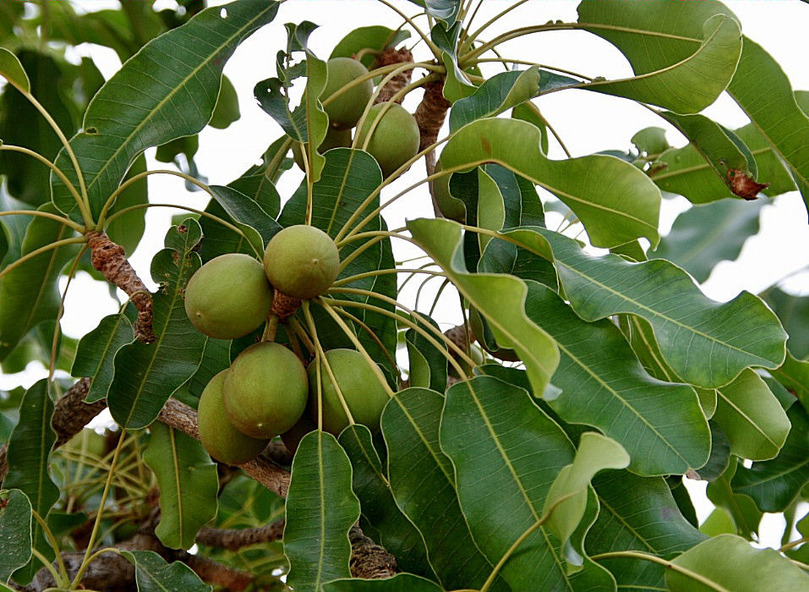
588	122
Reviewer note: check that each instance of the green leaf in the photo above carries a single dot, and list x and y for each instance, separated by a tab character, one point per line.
684	170
96	353
29	293
373	37
506	454
428	364
371	484
638	513
423	484
794	375
614	200
153	574
248	215
726	562
127	229
500	298
706	343
141	106
751	417
775	113
566	501
746	515
11	69
22	124
188	485
775	483
401	582
147	375
793	311
320	510
227	106
703	236
602	384
683	55
15	531
29	450
497	94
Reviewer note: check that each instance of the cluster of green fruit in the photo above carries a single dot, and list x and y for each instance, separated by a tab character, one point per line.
267	389
389	133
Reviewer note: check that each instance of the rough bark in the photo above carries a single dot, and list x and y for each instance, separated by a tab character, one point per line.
386	58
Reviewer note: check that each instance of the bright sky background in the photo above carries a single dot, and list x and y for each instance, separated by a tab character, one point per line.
588	122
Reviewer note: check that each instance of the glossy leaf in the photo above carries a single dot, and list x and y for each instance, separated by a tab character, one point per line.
684	170
703	236
726	562
153	574
247	213
775	483
11	69
320	510
786	127
602	384
423	484
28	457
188	485
638	513
428	364
751	417
127	229
793	311
146	375
374	37
402	582
742	509
794	375
706	343
96	353
567	499
500	298
15	531
29	293
615	201
497	94
683	55
506	454
371	484
137	108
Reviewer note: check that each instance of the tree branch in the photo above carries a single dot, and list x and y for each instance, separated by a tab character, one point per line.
234	539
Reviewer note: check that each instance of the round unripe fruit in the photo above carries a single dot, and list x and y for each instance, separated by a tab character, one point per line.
360	385
228	297
345	110
223	441
334	139
301	261
394	141
451	207
265	390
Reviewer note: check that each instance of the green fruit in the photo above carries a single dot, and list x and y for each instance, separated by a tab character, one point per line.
228	297
394	141
265	390
334	139
451	207
301	261
360	385
345	109
223	441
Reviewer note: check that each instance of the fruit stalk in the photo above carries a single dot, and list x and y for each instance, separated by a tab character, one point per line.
109	258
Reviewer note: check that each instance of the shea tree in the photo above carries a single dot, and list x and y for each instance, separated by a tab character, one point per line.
506	391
